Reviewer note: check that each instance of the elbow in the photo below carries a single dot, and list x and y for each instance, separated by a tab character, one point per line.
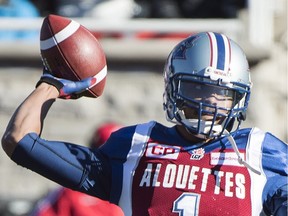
8	143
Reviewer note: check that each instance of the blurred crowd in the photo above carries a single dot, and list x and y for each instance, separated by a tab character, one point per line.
115	9
125	8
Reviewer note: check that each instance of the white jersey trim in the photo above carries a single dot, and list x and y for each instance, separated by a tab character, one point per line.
139	142
254	158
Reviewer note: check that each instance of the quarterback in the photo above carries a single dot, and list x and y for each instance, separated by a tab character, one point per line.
203	165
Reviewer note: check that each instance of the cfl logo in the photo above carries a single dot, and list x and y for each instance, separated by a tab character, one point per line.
197	154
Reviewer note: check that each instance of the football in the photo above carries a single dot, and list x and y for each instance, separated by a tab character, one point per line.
70	51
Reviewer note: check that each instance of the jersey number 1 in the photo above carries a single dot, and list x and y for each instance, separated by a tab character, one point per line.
187	204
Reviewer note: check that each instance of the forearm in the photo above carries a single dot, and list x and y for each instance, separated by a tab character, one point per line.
29	116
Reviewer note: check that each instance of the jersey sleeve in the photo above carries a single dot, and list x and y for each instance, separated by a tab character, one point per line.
119	143
70	165
116	150
274	162
276	201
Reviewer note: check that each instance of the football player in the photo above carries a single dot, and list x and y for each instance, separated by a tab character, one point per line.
203	165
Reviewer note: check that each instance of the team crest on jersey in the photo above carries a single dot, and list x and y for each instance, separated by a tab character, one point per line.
156	150
197	154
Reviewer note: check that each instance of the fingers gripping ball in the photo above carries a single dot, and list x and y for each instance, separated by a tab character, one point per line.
70	51
68	89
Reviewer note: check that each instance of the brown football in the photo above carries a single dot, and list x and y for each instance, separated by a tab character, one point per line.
72	52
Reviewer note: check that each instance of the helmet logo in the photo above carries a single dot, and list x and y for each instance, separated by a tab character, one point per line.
216	74
180	53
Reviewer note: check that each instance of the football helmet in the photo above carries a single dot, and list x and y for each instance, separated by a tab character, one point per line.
207	84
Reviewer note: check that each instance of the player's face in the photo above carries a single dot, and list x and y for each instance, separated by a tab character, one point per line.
209	95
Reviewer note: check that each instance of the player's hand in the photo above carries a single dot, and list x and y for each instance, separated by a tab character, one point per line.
67	89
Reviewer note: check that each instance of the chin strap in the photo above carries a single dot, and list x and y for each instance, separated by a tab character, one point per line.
204	126
235	148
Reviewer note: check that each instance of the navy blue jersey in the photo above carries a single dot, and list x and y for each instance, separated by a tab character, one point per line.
149	169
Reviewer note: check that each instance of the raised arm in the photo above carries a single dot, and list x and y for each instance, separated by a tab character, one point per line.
29	116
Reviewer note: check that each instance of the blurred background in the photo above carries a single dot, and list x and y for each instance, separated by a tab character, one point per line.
137	36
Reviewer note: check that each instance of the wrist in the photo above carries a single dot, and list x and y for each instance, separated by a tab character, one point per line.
50	90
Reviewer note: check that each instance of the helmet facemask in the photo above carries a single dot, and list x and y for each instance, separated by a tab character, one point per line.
205	107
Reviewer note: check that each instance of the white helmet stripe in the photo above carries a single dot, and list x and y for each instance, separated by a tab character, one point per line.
214	50
227	53
220	51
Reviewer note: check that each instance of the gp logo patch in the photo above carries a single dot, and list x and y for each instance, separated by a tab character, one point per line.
156	150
